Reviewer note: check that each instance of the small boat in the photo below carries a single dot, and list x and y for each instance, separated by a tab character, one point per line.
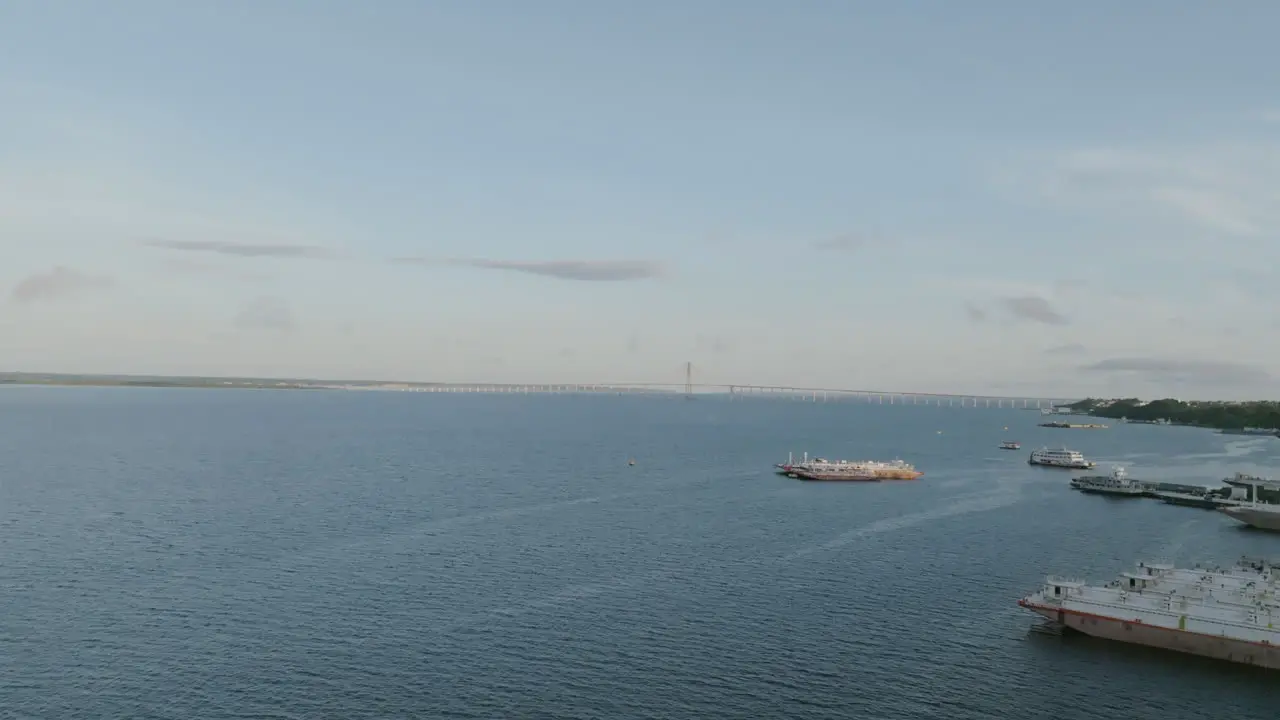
1010	445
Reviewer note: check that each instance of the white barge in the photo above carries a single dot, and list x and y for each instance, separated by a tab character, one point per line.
1230	614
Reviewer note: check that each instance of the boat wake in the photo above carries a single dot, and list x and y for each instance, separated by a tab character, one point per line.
1003	497
1006	494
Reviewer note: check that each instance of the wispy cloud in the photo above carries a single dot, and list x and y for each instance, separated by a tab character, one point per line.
1224	189
270	314
714	344
202	268
587	270
1033	308
847	242
1068	349
1188	371
1214	209
251	250
55	284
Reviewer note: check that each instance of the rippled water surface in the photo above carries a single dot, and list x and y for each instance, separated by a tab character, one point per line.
273	554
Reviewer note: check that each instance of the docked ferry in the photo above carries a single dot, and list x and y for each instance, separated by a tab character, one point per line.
1062	458
1118	483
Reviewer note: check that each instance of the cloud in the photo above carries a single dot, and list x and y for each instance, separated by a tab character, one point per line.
1193	371
199	268
843	243
975	313
588	270
1068	349
1213	209
58	283
1224	189
1033	308
254	250
269	314
715	344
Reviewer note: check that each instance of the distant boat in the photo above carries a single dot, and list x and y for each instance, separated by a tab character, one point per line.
1064	458
1010	445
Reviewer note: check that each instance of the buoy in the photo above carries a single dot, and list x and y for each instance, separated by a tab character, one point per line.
631	461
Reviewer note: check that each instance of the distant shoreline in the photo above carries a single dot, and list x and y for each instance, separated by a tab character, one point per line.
68	380
13	379
1215	415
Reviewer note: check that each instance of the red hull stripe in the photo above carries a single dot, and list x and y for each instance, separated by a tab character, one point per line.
1091	616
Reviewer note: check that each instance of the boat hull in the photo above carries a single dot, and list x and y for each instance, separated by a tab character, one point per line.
1137	633
868	476
1060	466
1259	519
825	477
1112	493
850	472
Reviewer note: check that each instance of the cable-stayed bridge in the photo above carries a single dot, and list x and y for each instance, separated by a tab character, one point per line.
740	392
691	389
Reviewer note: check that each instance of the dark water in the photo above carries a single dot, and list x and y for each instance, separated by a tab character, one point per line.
229	554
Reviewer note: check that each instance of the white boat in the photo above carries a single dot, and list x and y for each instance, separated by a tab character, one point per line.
1264	516
1117	483
1010	445
1229	614
1063	458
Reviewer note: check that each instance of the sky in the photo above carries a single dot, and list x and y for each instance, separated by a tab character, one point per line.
981	197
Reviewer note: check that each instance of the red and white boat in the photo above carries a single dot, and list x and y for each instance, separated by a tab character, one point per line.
1225	613
855	470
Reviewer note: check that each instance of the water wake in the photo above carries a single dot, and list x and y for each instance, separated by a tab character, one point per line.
1006	494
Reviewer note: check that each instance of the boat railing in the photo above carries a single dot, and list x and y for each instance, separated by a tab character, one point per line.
1064	580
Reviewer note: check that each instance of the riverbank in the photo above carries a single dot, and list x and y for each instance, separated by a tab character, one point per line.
1217	415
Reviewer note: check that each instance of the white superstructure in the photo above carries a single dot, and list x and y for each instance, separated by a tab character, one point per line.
1230	614
1118	483
1060	458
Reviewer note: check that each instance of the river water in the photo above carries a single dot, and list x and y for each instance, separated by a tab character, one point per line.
169	553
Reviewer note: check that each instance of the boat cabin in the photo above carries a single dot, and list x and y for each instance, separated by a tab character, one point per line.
1138	580
1057	587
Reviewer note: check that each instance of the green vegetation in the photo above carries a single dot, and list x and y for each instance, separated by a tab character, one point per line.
1221	415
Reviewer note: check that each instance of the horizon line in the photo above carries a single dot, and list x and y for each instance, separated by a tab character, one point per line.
677	387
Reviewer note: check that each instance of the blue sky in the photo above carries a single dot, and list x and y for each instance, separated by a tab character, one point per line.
930	196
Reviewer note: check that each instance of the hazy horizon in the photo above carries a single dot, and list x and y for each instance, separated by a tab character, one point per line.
982	199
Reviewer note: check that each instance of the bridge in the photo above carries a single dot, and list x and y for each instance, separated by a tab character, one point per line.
690	389
731	392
